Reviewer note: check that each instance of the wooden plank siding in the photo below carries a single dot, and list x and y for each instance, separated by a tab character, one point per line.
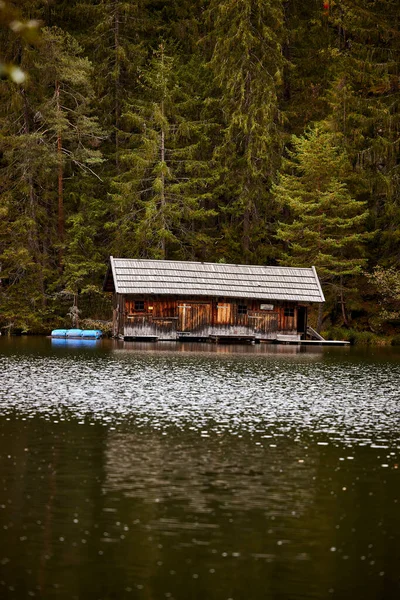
171	318
194	316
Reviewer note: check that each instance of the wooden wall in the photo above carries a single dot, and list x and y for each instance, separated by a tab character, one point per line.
154	316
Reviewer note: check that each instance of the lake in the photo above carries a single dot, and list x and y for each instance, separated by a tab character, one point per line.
196	471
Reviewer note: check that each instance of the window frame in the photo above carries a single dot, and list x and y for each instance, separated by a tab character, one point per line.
142	308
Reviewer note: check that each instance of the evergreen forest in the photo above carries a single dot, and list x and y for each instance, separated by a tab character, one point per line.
239	131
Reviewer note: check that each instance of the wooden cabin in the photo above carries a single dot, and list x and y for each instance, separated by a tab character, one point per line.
176	300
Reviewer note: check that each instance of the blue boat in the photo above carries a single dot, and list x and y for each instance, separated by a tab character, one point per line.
59	333
74	333
88	334
91	334
74	342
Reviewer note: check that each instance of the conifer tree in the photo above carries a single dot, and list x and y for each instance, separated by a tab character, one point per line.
247	64
364	97
71	130
113	36
309	49
162	194
326	227
49	135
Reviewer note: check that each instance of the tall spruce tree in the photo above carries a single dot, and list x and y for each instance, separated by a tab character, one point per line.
237	67
114	37
326	227
49	135
309	49
364	97
70	129
162	195
247	63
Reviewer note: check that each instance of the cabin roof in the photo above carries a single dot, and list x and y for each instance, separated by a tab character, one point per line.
169	277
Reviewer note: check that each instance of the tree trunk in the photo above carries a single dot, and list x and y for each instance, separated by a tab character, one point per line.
162	156
32	207
287	90
247	187
343	304
33	231
76	311
320	317
60	227
246	233
117	113
162	200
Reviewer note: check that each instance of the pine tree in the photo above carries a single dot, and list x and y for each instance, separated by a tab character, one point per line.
49	134
387	284
364	97
247	63
162	194
71	130
326	226
309	49
114	38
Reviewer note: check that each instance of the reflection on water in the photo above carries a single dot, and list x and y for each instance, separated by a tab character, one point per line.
125	454
74	342
198	471
257	389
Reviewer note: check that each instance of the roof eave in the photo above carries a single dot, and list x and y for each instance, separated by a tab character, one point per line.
110	269
318	284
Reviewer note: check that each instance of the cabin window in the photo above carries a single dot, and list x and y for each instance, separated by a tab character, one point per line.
242	309
289	312
139	305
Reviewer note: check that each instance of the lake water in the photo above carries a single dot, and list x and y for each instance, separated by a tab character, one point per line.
198	472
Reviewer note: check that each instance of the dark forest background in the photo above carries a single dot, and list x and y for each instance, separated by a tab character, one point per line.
238	131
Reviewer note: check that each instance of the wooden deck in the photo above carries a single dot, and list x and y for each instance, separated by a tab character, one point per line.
233	339
314	342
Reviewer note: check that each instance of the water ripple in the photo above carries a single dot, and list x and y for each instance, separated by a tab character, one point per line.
342	400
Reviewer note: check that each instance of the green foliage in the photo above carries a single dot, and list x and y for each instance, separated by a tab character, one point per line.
395	340
387	284
326	227
166	130
161	197
113	32
309	49
364	101
355	337
247	65
104	326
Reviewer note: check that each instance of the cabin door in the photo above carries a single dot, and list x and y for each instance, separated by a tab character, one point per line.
263	322
301	319
193	316
224	313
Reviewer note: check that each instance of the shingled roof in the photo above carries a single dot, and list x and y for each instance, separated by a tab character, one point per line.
167	277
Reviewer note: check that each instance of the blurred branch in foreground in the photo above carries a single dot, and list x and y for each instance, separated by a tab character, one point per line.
27	30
